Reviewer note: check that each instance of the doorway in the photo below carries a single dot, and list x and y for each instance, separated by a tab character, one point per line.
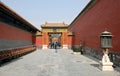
53	38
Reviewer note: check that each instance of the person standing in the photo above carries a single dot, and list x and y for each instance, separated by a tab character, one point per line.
50	45
55	46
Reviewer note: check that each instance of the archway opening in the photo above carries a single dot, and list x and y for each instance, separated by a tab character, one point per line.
53	38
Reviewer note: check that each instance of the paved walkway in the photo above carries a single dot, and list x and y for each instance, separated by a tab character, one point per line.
50	63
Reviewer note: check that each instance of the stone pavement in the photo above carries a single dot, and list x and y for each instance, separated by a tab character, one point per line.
51	63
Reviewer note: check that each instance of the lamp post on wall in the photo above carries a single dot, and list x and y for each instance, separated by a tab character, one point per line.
106	43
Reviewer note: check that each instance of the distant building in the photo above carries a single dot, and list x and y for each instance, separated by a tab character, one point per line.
97	16
54	32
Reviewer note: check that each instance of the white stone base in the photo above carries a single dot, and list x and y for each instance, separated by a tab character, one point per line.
106	66
44	47
65	46
77	53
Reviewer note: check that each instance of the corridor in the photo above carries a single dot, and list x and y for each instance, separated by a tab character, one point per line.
50	63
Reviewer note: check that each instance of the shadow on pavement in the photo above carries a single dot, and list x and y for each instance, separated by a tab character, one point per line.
95	65
6	62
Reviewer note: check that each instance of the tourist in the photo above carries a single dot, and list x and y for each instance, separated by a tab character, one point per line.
55	46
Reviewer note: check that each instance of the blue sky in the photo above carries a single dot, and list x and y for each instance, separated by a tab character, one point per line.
37	12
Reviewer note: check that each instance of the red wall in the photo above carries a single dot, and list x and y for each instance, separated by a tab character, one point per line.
64	38
88	27
69	41
12	33
38	41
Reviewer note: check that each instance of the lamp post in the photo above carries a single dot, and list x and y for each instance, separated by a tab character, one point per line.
106	43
